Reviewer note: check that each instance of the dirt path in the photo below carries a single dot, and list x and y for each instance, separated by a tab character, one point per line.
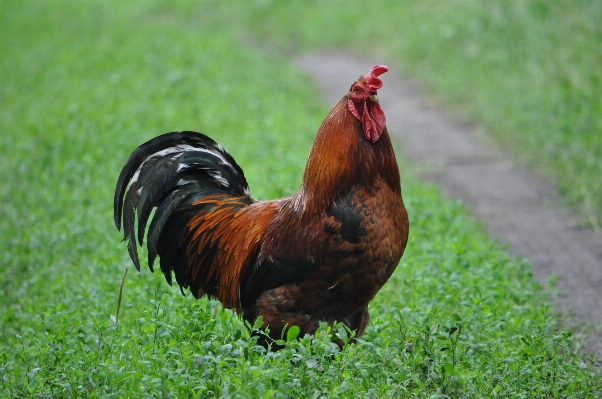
518	208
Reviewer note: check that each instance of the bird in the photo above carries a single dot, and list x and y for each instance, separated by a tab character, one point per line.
319	256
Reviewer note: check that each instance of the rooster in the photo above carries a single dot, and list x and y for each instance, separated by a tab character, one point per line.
318	256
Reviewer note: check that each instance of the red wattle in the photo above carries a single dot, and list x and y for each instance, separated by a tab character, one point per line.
373	119
374	122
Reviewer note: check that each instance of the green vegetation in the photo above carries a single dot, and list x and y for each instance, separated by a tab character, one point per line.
530	71
83	84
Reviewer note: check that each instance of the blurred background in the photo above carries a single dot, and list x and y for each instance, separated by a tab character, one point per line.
83	83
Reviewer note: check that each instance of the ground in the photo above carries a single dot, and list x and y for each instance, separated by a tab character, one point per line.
518	208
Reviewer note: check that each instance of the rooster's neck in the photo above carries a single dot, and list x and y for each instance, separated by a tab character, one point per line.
342	159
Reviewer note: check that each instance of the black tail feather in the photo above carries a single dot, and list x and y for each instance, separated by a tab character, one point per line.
170	172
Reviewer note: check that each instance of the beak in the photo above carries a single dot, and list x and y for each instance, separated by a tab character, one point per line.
374	98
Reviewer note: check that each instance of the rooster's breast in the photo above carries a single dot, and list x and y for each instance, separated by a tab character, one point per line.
368	231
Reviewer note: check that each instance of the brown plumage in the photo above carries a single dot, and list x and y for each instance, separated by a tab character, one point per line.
320	255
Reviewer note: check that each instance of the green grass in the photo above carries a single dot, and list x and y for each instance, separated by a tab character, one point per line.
529	70
83	84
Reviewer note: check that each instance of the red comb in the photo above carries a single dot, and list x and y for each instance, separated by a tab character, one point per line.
374	83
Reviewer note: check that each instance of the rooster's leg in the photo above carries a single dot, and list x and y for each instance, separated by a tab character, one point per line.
357	322
280	310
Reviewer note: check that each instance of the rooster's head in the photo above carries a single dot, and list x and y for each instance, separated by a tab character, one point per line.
362	102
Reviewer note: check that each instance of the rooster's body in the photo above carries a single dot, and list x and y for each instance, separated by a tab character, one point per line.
320	255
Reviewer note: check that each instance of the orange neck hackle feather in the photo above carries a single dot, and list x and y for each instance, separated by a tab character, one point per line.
340	158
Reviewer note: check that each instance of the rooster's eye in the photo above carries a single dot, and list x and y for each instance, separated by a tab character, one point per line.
356	89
